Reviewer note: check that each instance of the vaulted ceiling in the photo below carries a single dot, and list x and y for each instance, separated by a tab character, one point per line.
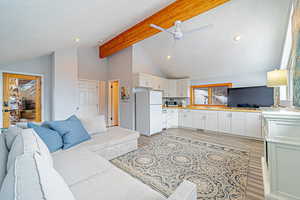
31	28
261	25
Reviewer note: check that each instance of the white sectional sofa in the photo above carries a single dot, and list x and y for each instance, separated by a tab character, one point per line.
82	172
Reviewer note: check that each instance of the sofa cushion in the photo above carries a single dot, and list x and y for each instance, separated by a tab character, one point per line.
114	184
112	136
78	164
10	135
94	124
3	158
71	130
28	142
33	178
51	138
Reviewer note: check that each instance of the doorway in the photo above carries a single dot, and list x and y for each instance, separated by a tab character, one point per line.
21	99
113	103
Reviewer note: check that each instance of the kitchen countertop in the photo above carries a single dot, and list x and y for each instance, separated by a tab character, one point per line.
215	108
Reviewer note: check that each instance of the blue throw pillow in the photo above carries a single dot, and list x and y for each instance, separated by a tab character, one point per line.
71	130
51	138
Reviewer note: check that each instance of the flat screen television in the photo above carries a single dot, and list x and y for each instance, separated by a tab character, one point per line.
253	97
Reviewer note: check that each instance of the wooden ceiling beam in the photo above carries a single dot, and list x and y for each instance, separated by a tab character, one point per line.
179	10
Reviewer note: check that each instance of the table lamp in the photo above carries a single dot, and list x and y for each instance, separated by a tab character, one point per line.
276	79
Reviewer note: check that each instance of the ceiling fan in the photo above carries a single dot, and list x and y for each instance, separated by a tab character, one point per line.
178	33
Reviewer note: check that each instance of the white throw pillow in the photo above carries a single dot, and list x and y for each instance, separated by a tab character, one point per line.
3	158
11	134
95	124
28	142
32	178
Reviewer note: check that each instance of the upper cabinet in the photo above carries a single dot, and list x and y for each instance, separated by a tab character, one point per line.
143	80
183	87
170	87
158	83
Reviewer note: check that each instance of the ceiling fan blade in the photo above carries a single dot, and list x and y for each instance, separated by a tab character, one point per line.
160	28
199	29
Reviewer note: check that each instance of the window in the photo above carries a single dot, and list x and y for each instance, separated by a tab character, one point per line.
210	95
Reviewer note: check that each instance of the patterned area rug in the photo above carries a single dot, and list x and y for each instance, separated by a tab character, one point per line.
219	172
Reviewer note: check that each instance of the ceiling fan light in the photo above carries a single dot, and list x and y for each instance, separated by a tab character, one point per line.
237	38
76	39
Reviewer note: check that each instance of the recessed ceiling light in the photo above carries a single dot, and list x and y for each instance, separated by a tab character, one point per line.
237	38
77	39
168	57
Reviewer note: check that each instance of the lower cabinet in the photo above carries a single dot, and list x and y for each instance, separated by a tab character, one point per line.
172	118
198	119
165	119
224	122
253	125
186	118
211	121
238	123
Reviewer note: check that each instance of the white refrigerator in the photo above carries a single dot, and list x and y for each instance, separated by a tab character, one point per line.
148	112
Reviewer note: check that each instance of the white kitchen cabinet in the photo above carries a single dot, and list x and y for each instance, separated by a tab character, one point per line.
157	83
198	119
211	123
172	88
186	118
183	88
172	118
253	125
238	123
165	85
142	80
164	119
224	121
281	161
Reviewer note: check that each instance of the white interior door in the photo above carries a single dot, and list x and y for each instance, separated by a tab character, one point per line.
88	98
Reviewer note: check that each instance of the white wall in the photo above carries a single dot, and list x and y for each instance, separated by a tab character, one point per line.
90	66
64	76
238	80
142	62
39	66
61	71
120	68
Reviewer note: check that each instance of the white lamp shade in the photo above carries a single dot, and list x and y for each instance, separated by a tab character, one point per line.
277	78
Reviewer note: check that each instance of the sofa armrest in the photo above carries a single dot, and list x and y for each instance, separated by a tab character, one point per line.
185	191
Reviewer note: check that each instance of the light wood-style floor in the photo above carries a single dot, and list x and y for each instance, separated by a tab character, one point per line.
255	189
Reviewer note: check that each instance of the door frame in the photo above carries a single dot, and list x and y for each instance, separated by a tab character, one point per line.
22	73
109	96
